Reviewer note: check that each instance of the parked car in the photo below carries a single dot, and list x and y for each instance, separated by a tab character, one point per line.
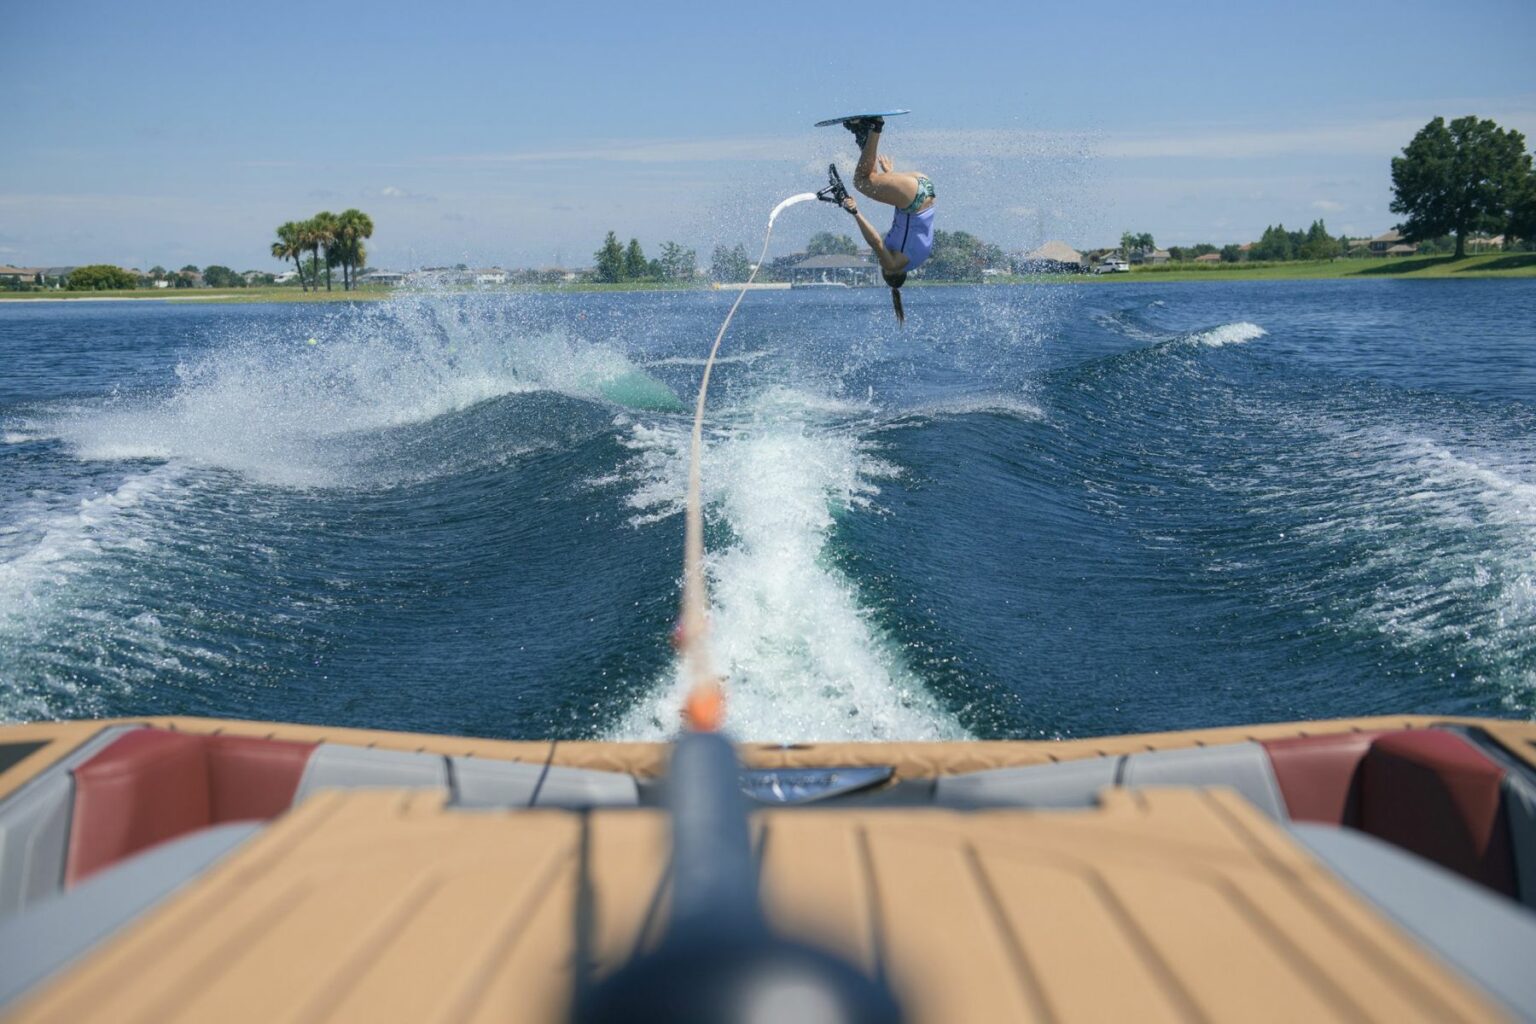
1112	267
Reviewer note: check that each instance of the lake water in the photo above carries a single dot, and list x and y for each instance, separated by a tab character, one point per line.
1036	511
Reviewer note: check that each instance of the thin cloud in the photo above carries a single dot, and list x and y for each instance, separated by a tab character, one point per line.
1371	138
395	192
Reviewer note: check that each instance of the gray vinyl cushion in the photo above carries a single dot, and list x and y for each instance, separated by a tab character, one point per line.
337	766
52	933
1244	767
479	783
1520	806
34	827
1490	939
1063	784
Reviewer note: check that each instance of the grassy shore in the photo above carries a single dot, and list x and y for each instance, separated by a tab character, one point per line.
1487	265
272	294
286	294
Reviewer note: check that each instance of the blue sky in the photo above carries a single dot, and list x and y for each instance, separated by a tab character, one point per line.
519	133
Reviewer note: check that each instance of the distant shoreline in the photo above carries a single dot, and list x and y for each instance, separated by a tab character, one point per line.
1482	267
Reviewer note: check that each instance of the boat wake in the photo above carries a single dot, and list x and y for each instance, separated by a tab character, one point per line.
318	409
803	657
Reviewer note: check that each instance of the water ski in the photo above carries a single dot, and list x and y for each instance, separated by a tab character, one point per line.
854	117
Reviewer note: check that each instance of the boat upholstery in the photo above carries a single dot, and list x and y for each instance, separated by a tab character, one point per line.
479	782
337	766
1158	905
1489	939
1434	794
50	934
150	785
34	828
1320	775
1242	766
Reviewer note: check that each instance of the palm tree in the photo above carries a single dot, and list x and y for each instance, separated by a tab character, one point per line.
352	226
290	245
322	228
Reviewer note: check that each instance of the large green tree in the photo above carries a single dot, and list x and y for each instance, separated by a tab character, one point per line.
352	227
99	277
825	243
1458	178
635	265
323	228
730	264
676	263
290	246
1522	213
960	256
1136	242
610	261
1318	243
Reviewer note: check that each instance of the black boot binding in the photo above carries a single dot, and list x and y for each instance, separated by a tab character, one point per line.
834	192
862	126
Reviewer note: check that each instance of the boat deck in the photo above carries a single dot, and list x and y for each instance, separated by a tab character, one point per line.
386	904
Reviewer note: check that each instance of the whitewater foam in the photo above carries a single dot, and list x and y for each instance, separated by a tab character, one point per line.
1229	334
803	658
283	412
46	551
1442	545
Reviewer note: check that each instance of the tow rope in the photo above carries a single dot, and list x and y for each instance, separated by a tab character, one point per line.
704	708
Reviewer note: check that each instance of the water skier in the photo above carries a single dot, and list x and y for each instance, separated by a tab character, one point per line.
910	240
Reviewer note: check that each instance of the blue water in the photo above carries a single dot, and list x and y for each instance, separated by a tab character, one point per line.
1036	511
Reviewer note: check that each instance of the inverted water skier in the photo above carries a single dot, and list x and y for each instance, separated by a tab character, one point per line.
910	240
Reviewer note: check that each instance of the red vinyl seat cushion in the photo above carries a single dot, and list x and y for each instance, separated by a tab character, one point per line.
1319	776
1431	792
152	785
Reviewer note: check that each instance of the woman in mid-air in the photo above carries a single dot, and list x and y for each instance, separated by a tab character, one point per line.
910	240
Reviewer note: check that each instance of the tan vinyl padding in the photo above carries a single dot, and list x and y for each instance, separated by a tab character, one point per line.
383	905
910	760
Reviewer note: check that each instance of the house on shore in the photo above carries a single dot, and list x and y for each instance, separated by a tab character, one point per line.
490	275
1153	256
1392	243
1209	257
1054	257
849	271
21	276
388	278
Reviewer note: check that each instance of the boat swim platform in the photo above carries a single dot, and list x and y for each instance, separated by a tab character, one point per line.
1160	905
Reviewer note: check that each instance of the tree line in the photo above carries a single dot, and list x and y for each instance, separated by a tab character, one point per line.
106	277
1453	181
331	240
957	256
617	263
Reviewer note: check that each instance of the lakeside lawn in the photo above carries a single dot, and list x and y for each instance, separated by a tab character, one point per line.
280	293
1484	265
275	293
